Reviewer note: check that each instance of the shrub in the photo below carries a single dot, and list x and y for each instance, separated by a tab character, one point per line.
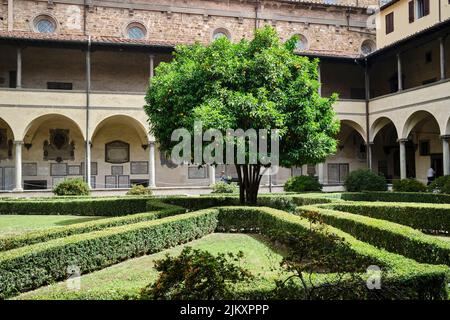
72	187
302	184
440	185
434	217
391	236
223	187
30	267
139	190
365	180
196	275
418	197
408	185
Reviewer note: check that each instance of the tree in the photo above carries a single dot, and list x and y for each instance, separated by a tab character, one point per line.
257	84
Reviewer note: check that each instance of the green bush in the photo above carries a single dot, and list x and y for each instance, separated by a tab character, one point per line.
302	184
223	187
417	197
408	185
72	187
391	236
30	267
440	185
159	210
78	206
431	217
139	190
365	180
196	275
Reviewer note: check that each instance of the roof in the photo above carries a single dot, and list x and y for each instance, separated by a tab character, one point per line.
385	6
321	2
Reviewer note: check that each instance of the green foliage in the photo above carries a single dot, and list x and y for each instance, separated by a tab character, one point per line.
302	184
391	236
72	187
76	206
408	185
139	190
196	275
417	197
435	217
159	210
223	187
440	185
30	267
365	180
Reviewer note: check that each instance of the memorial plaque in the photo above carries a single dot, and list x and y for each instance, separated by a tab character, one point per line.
93	168
74	170
195	172
56	180
58	169
29	169
124	181
116	170
139	167
117	152
9	173
43	170
110	182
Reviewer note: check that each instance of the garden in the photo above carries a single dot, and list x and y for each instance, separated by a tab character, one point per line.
311	245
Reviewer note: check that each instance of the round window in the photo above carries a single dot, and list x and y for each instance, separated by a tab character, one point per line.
302	43
220	33
45	25
136	32
367	47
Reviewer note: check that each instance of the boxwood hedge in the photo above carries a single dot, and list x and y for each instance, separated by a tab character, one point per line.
424	197
389	235
419	216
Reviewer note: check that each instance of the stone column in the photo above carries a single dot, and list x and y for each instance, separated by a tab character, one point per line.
446	154
320	173
151	165
18	166
19	68
152	65
88	164
442	57
369	155
399	71
212	175
402	143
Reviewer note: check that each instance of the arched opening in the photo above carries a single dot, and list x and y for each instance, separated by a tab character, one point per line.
423	147
119	153
6	156
53	150
351	153
385	149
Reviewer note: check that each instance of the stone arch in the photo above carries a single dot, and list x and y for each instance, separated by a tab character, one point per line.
34	125
447	128
356	126
378	125
132	122
5	124
413	120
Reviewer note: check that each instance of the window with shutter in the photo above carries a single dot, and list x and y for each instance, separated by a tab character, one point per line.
411	11
390	23
426	7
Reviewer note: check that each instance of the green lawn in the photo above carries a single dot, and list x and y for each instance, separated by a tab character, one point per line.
11	225
127	278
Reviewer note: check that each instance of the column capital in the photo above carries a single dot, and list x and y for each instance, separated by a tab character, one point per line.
402	140
18	142
445	137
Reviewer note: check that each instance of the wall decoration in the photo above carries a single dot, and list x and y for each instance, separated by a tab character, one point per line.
111	182
58	169
116	170
124	181
117	152
29	169
59	147
93	168
139	167
74	170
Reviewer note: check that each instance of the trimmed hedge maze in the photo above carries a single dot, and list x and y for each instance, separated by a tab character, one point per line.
414	265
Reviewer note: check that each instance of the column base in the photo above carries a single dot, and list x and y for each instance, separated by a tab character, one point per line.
17	190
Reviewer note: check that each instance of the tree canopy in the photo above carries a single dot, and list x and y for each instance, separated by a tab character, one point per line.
256	84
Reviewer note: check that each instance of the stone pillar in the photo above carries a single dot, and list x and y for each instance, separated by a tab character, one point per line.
446	154
442	57
152	65
399	72
402	143
88	164
369	155
320	173
18	166
19	68
212	175
151	165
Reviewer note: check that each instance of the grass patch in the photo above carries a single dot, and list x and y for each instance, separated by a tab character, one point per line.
11	225
127	278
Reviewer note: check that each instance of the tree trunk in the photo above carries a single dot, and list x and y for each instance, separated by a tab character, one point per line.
249	179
